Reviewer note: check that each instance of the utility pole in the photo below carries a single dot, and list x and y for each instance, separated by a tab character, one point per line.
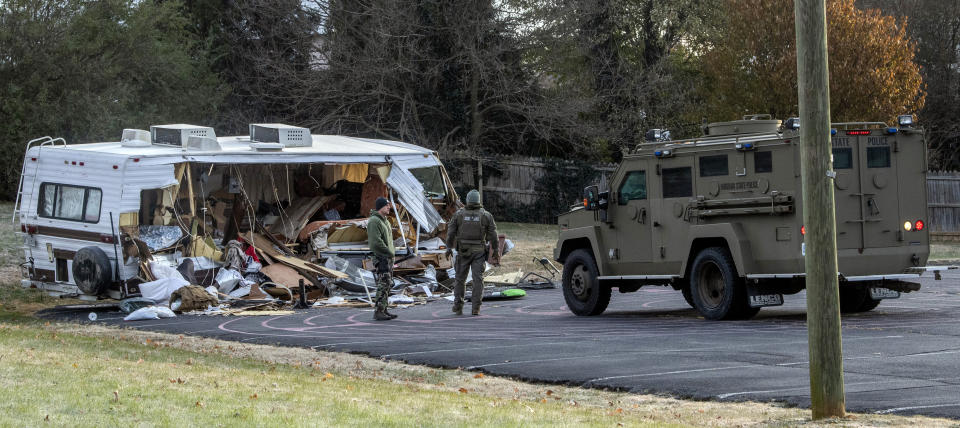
819	214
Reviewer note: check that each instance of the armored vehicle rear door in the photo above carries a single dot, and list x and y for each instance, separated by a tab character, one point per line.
866	190
878	182
846	160
632	217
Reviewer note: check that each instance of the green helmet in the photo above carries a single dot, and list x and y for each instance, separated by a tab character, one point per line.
473	197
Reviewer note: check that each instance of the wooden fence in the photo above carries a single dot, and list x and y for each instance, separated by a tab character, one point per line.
943	203
512	179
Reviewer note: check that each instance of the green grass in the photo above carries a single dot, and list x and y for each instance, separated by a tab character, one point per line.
11	254
84	381
531	240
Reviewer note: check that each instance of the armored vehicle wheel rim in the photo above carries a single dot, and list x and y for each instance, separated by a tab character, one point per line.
581	283
711	285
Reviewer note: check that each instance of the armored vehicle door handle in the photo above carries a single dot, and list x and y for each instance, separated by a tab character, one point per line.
872	204
642	216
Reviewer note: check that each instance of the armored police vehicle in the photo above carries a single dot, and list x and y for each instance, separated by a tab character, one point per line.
719	218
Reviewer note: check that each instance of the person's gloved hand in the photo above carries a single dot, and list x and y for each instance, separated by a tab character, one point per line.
449	252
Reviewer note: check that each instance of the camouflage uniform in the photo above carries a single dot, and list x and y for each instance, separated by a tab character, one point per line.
469	229
384	279
380	241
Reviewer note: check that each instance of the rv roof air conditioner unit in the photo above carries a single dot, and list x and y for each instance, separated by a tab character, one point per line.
135	138
286	135
178	134
203	144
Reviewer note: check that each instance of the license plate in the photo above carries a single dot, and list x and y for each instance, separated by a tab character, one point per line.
761	300
883	293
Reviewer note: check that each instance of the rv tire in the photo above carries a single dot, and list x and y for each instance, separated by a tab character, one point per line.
91	270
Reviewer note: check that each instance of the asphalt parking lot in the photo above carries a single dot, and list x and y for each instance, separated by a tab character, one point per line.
901	358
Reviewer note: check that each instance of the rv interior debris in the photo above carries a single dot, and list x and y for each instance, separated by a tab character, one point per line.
204	224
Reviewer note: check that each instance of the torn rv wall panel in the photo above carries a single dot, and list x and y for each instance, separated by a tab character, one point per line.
410	193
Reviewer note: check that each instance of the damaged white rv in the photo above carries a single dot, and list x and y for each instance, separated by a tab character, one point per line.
92	215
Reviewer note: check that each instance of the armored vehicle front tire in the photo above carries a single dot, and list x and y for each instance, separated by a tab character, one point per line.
718	292
581	286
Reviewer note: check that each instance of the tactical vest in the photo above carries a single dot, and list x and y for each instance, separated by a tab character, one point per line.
471	230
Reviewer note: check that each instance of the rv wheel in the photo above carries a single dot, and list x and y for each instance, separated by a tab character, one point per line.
718	292
91	270
581	287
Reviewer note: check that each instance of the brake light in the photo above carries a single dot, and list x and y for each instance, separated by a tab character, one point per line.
106	239
28	228
859	132
585	202
803	230
918	225
907	226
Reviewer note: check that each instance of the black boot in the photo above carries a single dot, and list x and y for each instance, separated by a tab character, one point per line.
381	316
458	309
475	311
392	316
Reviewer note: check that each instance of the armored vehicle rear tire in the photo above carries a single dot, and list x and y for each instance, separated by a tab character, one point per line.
856	299
718	292
687	295
581	286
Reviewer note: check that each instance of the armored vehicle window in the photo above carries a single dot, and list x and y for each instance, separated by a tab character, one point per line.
65	202
842	158
634	187
878	157
677	182
762	161
712	166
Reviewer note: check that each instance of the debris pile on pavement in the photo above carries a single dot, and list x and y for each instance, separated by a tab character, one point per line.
240	239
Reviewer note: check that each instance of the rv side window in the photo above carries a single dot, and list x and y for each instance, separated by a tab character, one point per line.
878	157
713	166
47	194
843	158
762	161
677	182
634	187
65	202
432	180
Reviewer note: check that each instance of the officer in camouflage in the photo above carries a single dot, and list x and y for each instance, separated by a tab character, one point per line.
469	230
380	241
